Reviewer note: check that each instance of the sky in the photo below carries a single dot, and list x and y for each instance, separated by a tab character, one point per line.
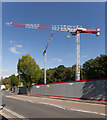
61	51
53	0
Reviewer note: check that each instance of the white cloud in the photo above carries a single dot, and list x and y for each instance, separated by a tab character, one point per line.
11	41
20	46
6	72
57	59
13	50
84	56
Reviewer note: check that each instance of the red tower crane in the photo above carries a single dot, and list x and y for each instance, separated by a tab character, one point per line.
44	54
74	30
50	38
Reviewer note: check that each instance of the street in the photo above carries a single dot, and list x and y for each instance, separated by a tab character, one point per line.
28	108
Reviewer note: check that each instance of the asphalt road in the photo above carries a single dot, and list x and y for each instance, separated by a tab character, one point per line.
35	110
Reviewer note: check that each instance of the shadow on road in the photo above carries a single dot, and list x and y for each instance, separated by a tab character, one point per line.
3	118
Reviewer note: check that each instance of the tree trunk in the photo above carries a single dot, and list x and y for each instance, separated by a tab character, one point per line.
27	90
13	89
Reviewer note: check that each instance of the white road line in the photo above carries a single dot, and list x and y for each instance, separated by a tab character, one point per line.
74	109
84	111
82	102
90	112
103	114
53	105
67	101
30	101
15	114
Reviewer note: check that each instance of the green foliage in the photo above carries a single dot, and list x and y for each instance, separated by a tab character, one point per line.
5	88
73	70
41	78
58	75
5	81
92	69
13	81
95	68
67	74
0	82
28	70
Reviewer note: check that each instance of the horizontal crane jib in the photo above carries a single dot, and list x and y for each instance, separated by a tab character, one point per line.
68	28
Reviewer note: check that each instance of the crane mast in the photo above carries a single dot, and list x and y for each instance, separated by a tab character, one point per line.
74	30
78	56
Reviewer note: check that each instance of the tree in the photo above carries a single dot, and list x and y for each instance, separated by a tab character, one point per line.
73	73
95	68
5	81
13	81
67	74
92	69
58	75
41	78
70	72
28	70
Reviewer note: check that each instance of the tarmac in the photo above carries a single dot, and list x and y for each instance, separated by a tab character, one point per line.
53	101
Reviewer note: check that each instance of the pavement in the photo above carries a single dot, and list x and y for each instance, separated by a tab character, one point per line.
71	99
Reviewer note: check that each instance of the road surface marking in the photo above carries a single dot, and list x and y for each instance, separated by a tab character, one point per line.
53	105
30	101
74	109
66	101
81	102
84	111
15	114
103	114
62	100
64	107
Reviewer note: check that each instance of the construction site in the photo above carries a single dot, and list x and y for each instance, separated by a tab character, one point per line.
54	60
